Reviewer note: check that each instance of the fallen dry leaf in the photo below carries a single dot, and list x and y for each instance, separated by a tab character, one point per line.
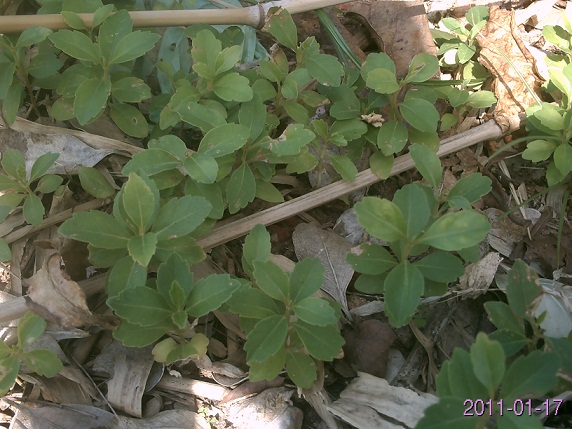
56	297
478	277
310	241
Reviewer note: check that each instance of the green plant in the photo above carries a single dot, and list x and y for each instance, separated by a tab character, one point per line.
28	188
286	325
491	383
549	126
421	225
41	361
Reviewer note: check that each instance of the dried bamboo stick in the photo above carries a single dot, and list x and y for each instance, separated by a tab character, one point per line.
223	234
254	16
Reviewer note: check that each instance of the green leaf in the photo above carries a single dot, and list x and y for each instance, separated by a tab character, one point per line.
382	81
227	59
266	191
323	342
42	362
522	289
481	99
201	167
297	111
503	317
9	369
131	335
233	87
11	102
14	164
266	339
530	376
210	293
132	46
141	305
488	361
282	27
456	231
5	252
462	380
477	14
174	270
291	142
240	189
130	90
315	311
403	288
344	166
420	114
301	369
306	279
256	247
90	99
129	120
371	259
440	267
180	216
252	115
471	187
392	137
33	210
101	14
30	327
414	204
139	203
112	30
151	161
423	67
223	140
76	45
381	165
43	164
448	413
376	61
7	73
556	35
253	304
326	69
142	248
539	150
381	218
271	279
563	158
95	183
32	36
96	228
465	53
269	369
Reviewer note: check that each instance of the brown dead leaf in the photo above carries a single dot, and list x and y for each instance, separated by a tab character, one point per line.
55	297
501	36
310	241
401	25
367	346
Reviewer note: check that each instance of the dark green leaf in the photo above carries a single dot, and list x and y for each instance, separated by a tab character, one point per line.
344	166
282	27
488	361
139	203
210	293
49	183
130	90
530	376
11	101
90	99
201	167
95	183
371	259
462	380
9	369
76	45
326	69
125	274
174	270
457	231
471	187
33	210
503	317
420	114
522	289
7	73
30	327
97	228
253	304
301	369
132	46
14	163
151	161
129	120
256	247
428	163
5	252
132	335
440	267
448	413
180	216
252	115
294	138
315	311
32	36
233	87
391	137
271	279
141	305
413	201
223	140
403	288
511	342
306	279
270	368
381	218
240	189
266	339
323	342
142	247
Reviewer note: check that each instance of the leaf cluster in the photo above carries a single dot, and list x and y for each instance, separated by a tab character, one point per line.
286	324
488	372
41	361
417	225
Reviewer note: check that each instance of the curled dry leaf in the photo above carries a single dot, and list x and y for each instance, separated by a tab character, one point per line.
310	241
56	297
478	277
